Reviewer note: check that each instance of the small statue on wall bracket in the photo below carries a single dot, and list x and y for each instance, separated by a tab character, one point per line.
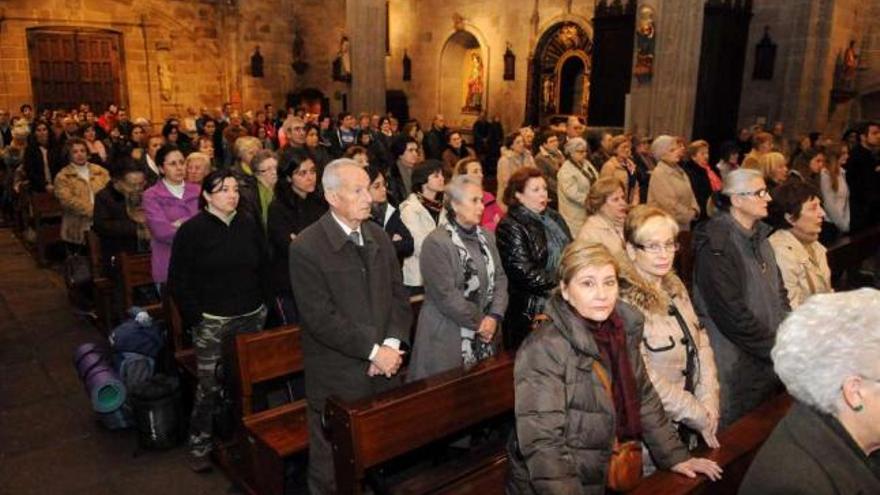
644	69
342	62
407	67
765	57
257	63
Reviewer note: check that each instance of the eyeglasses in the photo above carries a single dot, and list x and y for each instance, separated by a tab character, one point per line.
760	193
656	248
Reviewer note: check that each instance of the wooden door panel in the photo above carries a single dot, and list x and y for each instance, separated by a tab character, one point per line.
73	67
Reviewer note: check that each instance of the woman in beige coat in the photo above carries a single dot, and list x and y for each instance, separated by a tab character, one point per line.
75	187
621	166
573	182
675	346
670	187
796	212
607	207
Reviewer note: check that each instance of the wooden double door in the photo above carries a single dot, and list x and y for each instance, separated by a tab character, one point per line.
74	66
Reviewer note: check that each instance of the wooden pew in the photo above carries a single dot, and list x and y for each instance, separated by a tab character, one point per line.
46	214
272	435
850	251
136	270
371	431
102	285
739	444
179	347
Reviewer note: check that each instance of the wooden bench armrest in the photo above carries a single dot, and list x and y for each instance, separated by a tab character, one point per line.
449	477
282	429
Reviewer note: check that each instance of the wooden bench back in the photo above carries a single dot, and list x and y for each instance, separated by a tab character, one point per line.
45	205
93	245
849	251
264	356
739	444
136	270
371	431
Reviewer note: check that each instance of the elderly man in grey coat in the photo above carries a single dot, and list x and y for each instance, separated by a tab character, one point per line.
465	287
354	311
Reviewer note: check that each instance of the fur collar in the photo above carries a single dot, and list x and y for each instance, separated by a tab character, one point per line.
635	290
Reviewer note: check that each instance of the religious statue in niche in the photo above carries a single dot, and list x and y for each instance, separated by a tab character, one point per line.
569	37
548	94
342	62
644	68
257	63
850	62
765	57
845	70
473	102
163	71
299	65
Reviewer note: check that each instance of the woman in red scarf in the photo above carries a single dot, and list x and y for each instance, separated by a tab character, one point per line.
581	388
705	180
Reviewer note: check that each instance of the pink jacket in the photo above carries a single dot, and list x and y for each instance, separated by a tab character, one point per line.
492	213
163	209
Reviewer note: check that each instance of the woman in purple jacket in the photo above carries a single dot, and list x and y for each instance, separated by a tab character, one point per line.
168	203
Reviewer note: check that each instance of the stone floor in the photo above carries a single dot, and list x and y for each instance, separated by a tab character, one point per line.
50	442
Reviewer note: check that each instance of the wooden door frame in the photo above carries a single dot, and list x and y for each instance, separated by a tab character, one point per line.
31	32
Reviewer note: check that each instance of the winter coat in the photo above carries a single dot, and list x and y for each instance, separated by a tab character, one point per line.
492	213
420	223
522	245
665	352
451	157
445	311
803	276
163	210
565	419
670	189
701	185
836	203
509	163
614	168
393	226
289	214
809	452
599	229
573	185
77	198
741	300
863	179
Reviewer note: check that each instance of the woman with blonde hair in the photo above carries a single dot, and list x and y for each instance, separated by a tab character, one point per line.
607	207
492	213
773	166
582	391
198	166
704	179
675	347
835	192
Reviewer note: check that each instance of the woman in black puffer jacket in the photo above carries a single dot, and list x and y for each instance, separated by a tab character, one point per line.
530	241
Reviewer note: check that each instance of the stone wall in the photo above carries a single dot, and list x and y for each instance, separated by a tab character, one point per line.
204	46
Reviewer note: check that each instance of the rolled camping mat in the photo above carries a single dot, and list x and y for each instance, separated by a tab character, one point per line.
105	389
102	383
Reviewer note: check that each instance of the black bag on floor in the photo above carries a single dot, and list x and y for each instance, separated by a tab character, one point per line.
156	408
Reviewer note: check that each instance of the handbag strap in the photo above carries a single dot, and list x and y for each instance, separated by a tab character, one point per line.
603	377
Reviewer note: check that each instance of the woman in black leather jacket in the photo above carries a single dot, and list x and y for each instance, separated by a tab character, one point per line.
530	240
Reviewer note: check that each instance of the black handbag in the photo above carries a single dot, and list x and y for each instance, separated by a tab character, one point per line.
77	270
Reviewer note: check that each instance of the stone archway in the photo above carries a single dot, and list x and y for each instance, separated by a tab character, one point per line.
463	79
562	60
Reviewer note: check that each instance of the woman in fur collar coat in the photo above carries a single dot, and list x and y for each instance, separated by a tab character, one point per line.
675	346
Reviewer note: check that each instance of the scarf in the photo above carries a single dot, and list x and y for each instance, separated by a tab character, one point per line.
433	207
557	239
472	348
611	341
714	180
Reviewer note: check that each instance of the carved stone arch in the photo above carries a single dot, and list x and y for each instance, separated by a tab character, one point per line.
449	85
561	42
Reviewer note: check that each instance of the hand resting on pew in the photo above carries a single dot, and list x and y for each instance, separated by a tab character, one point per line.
698	465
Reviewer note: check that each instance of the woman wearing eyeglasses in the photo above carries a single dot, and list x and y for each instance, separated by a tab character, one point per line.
739	293
675	346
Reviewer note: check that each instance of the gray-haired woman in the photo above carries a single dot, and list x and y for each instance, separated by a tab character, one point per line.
574	180
826	354
739	293
465	287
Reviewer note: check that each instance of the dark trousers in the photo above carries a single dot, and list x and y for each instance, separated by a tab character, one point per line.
321	474
213	339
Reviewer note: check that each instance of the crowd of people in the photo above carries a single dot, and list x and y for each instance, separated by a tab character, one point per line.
254	221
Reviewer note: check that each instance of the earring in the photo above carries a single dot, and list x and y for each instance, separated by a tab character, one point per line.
858	408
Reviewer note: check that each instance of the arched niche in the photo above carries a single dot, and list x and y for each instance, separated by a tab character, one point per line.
559	73
463	79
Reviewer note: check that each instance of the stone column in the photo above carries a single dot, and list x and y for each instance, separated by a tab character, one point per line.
679	25
365	20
